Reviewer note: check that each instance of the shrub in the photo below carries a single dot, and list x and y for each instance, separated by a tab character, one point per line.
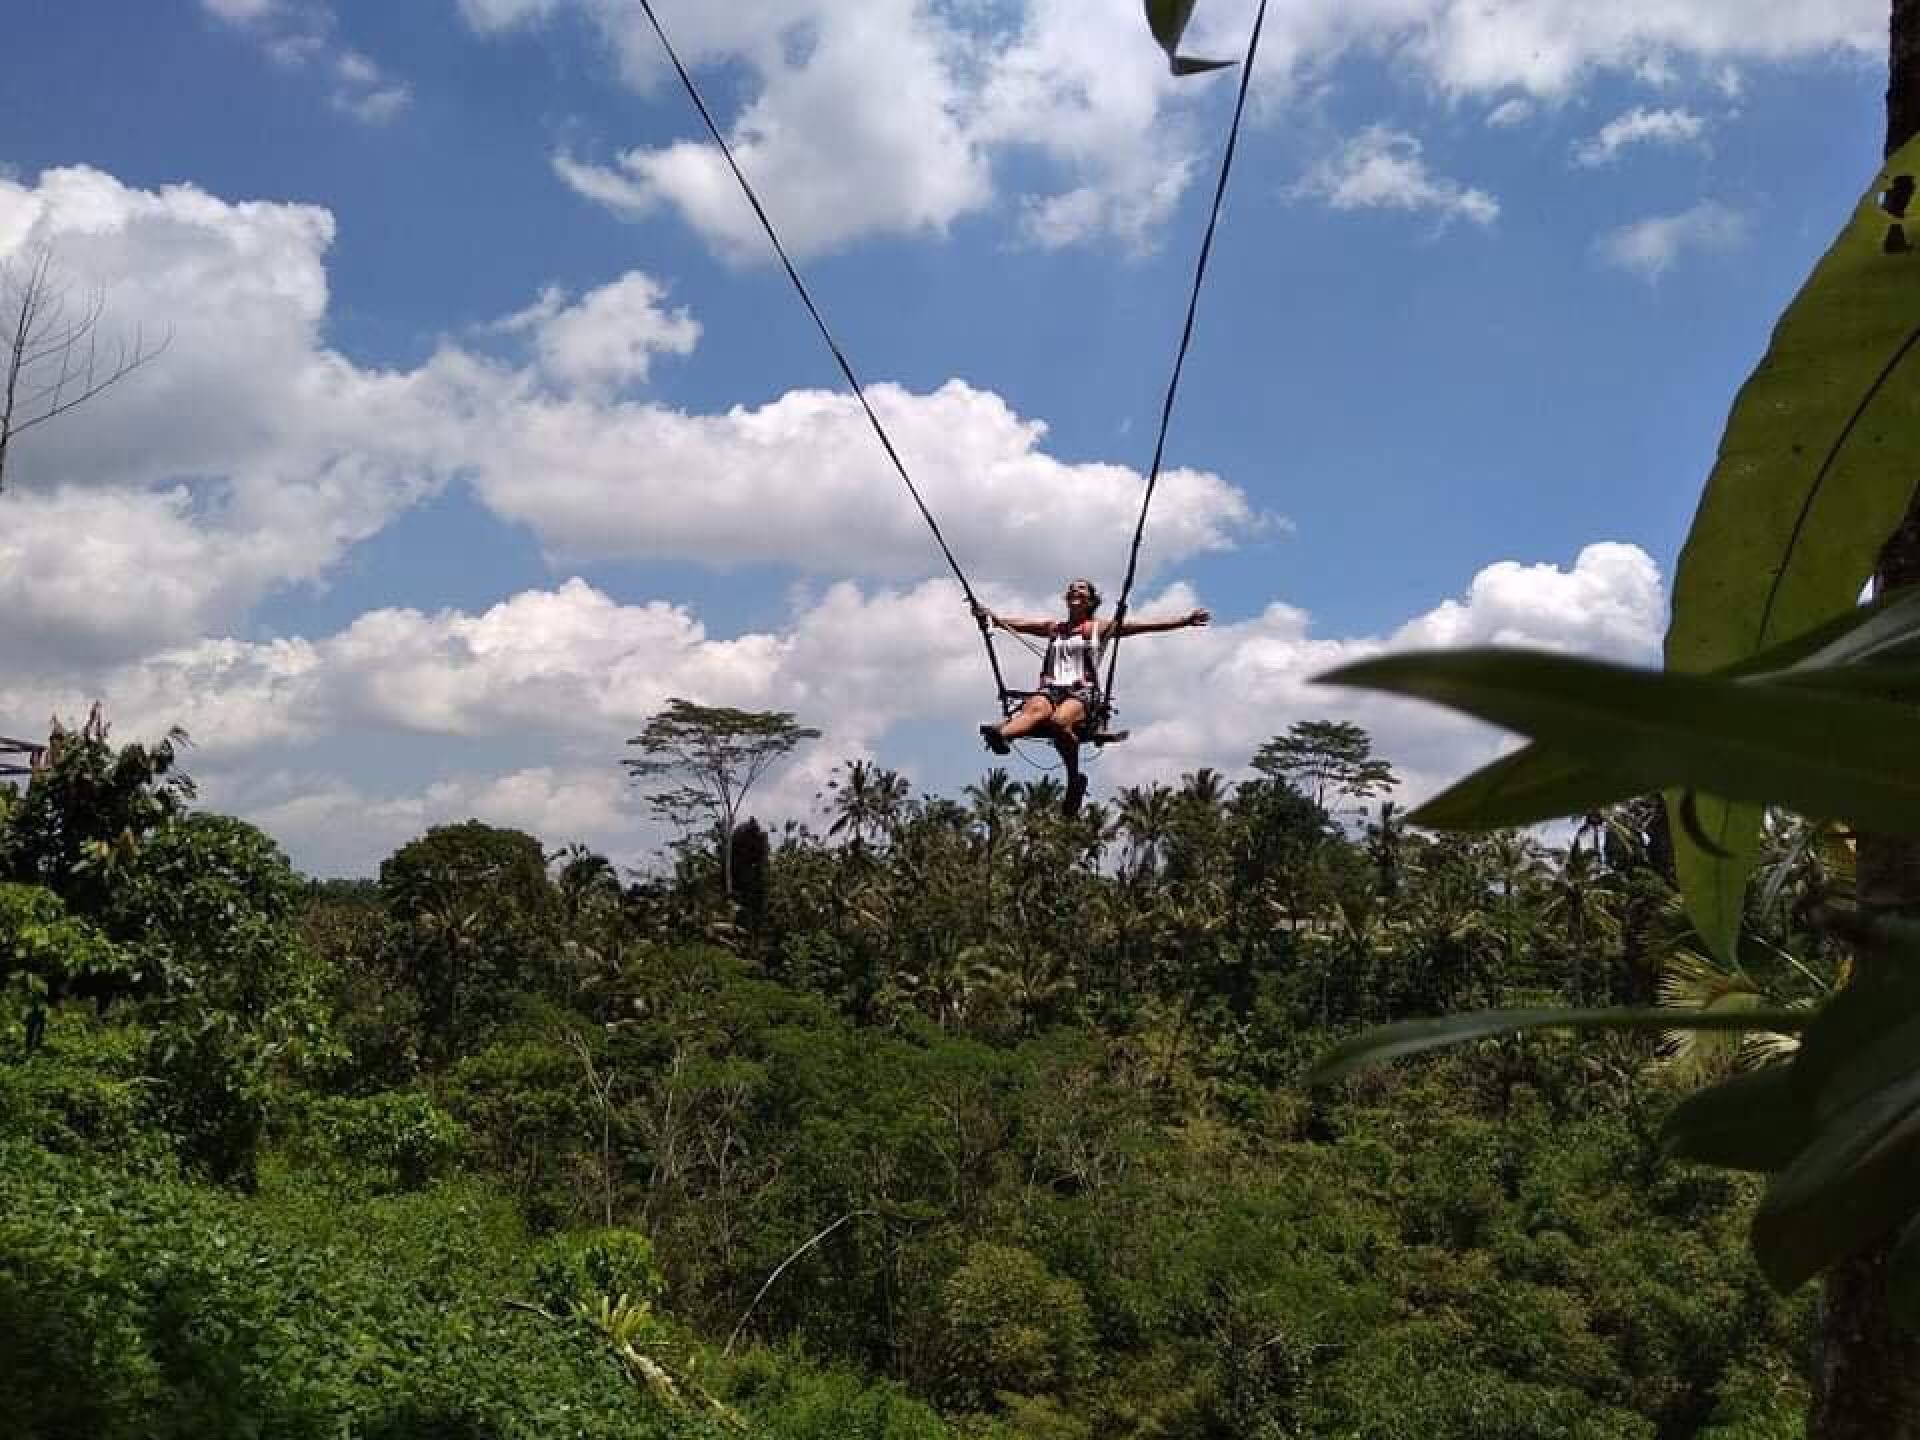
1012	1326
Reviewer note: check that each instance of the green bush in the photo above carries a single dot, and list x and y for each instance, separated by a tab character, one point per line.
580	1267
84	1090
155	1309
526	1111
209	1092
395	1140
1012	1326
787	1398
41	942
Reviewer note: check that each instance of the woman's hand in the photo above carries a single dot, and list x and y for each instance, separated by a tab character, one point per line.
1199	617
984	615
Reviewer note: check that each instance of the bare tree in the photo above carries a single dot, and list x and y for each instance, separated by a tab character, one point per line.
55	358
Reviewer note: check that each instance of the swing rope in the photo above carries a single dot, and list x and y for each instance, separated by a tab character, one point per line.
846	369
1180	356
880	430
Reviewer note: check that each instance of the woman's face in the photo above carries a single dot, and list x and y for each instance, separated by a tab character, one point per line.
1079	596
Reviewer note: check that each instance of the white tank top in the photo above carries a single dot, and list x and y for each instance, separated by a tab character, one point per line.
1073	656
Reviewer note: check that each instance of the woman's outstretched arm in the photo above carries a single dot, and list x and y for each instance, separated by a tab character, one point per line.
1157	627
1007	622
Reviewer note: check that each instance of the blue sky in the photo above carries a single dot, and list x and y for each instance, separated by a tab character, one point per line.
486	424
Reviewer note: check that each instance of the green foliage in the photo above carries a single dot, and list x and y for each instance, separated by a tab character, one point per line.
1325	759
391	1141
1810	482
524	1108
1712	734
1412	1037
1016	1126
214	899
209	1092
582	1266
473	916
153	1309
46	953
1012	1326
87	810
84	1090
793	1399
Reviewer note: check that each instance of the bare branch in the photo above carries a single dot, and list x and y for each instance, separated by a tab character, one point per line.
54	364
780	1269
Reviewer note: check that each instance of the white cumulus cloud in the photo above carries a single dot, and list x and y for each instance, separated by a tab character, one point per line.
1639	126
607	340
300	33
898	116
251	456
1386	169
1650	247
569	673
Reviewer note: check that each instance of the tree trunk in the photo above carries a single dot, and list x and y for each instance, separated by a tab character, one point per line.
1866	1368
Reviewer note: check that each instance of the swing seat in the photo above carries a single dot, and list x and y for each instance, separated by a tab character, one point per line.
1093	730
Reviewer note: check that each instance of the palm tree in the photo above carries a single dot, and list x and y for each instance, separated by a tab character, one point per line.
1514	867
992	801
1385	838
1145	816
1691	981
1205	787
1583	900
1358	938
1040	797
867	799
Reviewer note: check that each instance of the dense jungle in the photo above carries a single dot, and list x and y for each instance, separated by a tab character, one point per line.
961	1118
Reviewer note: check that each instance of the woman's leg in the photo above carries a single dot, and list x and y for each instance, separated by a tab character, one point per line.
1034	715
1067	716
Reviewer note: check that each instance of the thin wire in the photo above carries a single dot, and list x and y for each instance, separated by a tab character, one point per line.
1186	340
846	369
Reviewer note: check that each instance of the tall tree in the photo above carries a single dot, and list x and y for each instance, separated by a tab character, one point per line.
474	920
1326	757
717	754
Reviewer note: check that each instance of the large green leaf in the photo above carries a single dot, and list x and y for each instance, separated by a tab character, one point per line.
1815	470
1536	782
1732	738
1856	1078
1413	1037
1168	21
1871	649
1713	876
1755	1121
1867	1034
1883	632
1846	1190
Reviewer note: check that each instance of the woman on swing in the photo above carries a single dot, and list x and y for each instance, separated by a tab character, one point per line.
1069	677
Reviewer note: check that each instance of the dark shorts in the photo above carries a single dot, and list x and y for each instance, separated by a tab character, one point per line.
1057	693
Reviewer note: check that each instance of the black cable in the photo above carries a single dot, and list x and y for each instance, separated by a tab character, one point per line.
1186	339
766	224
